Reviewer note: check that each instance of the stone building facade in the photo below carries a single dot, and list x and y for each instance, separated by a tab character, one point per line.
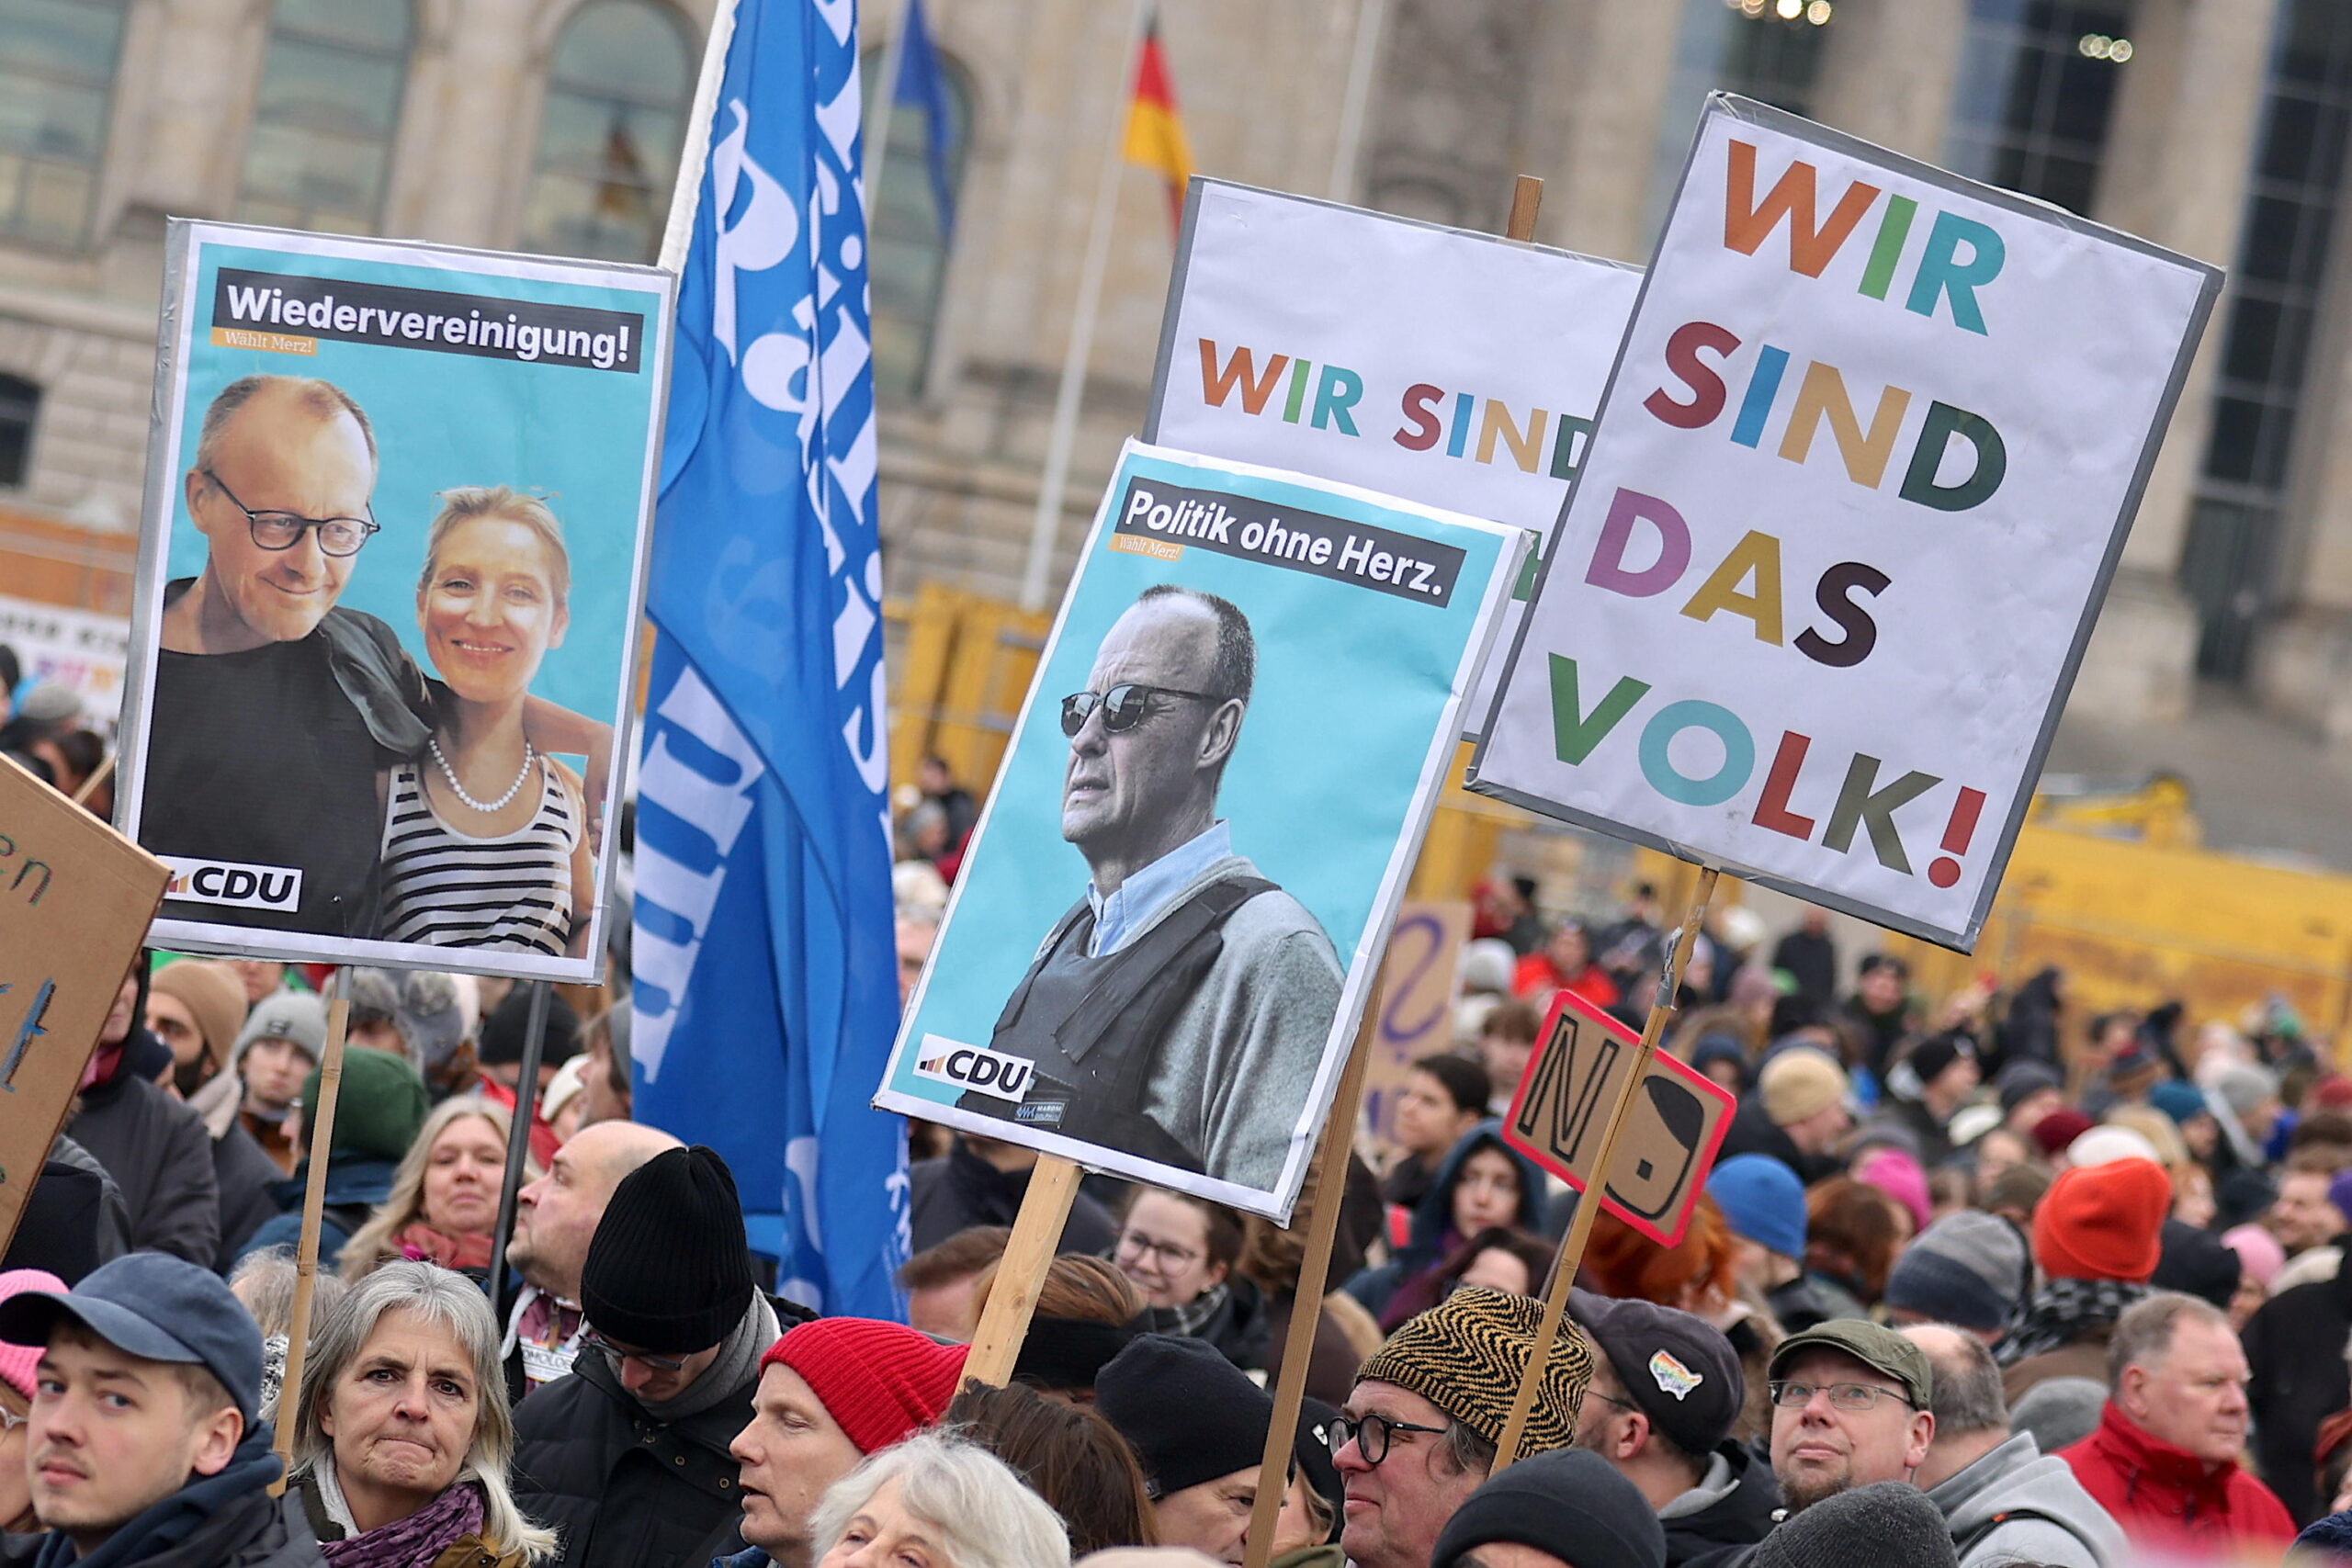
2215	127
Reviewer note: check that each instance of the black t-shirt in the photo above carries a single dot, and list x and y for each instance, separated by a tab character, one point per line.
259	759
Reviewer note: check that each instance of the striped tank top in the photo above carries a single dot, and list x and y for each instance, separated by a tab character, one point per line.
512	892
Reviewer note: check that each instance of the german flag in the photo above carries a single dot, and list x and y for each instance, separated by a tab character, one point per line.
1155	129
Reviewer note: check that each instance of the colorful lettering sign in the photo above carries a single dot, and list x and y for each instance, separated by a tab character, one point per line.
1860	478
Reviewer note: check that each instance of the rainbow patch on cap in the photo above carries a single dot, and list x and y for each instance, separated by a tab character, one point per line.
1673	1377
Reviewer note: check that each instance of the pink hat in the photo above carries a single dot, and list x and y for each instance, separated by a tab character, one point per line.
2258	1251
17	1361
1899	1176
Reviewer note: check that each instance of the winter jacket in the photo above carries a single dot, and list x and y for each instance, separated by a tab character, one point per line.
1729	1510
2084	1358
2169	1500
355	1184
622	1488
1434	1236
228	1520
2017	1504
961	1189
2295	1346
156	1150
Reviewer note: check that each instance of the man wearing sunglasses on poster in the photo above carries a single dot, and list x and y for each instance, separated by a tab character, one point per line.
278	715
1178	1009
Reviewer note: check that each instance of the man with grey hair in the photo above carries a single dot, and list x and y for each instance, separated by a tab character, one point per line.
2163	1461
2003	1498
1178	1011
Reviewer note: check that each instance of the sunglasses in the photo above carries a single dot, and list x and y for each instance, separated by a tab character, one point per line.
1123	706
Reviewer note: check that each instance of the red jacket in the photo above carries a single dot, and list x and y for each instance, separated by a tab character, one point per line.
2166	1497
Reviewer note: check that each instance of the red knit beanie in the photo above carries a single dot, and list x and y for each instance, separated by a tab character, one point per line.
2103	1222
883	1382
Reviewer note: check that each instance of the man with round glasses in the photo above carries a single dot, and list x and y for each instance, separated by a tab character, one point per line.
1849	1408
1178	1009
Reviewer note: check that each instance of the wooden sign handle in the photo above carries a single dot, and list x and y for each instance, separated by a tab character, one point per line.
1322	1224
306	1255
1020	1275
1571	1257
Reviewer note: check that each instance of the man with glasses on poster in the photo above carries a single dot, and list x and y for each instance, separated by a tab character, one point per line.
277	715
1178	1009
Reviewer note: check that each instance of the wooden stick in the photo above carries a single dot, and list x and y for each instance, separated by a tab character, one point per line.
1307	1302
306	1256
1021	1276
1526	196
1564	1266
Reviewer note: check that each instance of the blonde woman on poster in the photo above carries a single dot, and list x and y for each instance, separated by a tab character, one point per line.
484	840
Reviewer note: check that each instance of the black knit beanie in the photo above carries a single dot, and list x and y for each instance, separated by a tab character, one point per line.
1886	1524
668	1271
1570	1503
1190	1415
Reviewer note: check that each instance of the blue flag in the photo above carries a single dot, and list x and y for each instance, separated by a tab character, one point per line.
922	82
763	959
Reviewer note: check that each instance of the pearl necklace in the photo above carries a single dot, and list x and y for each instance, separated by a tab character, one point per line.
484	806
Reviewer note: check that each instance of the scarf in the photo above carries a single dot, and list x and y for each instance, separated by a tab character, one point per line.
737	1363
412	1543
2063	1311
420	1242
1188	1320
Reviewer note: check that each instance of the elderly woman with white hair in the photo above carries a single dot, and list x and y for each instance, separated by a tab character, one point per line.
936	1500
401	1432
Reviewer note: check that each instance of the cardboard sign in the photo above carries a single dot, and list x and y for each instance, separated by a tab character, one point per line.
1418	984
1452	367
1863	474
75	899
384	644
1170	915
1561	1112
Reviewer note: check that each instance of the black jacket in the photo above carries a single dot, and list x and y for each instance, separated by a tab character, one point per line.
1753	1132
2294	1348
1727	1528
961	1189
624	1490
228	1520
156	1149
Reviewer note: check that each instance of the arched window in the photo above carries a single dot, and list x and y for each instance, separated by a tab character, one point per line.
908	233
57	66
19	405
321	145
617	96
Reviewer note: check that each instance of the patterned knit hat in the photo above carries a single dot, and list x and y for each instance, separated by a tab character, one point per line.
1467	1354
882	1382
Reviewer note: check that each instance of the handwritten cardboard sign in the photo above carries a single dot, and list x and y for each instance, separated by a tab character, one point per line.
1561	1112
75	900
1417	994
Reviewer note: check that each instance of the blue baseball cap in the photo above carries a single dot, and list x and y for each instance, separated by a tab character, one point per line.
158	1308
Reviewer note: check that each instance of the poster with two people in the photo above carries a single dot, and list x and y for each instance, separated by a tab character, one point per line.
385	626
1171	912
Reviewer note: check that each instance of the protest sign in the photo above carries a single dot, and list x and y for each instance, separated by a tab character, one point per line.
1451	367
75	897
1580	1068
1417	996
386	616
1163	931
1856	491
73	649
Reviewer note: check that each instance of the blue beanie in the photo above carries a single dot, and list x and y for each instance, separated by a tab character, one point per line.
1762	1200
2176	1100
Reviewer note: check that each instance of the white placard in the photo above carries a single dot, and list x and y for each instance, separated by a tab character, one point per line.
1862	473
70	648
1451	367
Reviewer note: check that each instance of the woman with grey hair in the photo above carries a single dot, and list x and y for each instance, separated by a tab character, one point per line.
402	1433
940	1499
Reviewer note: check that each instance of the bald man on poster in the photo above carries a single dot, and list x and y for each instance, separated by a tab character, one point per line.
1179	1008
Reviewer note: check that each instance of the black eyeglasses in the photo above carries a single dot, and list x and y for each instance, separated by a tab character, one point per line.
1370	1434
1851	1397
592	1341
1123	706
283	530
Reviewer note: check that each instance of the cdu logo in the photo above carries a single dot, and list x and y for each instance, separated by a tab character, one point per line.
991	1073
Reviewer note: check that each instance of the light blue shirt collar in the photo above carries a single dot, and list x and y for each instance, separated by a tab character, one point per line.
1143	895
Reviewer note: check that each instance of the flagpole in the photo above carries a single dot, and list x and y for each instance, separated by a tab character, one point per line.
880	104
1046	522
677	235
1372	21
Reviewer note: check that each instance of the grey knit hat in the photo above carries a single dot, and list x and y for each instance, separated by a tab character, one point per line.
2059	1412
2243	1086
1888	1523
1968	1268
